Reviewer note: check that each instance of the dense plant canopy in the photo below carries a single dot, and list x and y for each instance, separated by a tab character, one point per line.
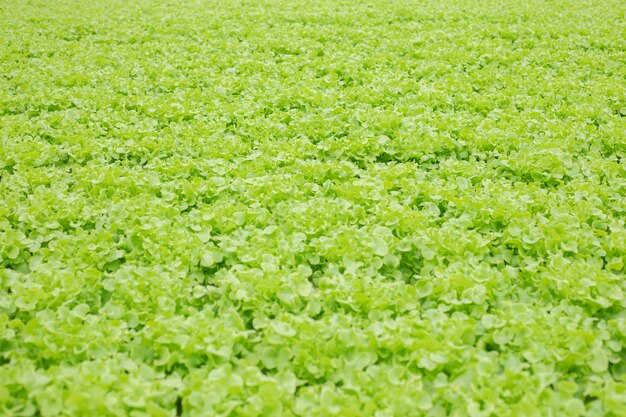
291	208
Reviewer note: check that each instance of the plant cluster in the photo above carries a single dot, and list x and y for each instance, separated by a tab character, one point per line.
336	208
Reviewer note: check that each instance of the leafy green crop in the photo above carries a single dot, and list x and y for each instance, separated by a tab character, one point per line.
293	208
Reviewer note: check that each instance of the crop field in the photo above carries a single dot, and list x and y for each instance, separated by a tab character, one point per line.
382	208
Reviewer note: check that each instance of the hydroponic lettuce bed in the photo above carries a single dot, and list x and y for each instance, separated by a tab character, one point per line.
293	208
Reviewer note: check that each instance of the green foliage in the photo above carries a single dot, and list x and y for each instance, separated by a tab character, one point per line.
335	208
